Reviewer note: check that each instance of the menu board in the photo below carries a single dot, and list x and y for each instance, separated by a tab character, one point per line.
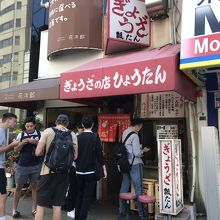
167	131
162	105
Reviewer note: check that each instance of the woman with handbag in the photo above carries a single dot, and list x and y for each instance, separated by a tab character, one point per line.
89	150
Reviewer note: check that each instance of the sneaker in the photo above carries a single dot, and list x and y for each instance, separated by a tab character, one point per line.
71	214
16	214
33	212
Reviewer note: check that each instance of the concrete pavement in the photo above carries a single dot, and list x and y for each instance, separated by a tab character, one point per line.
98	211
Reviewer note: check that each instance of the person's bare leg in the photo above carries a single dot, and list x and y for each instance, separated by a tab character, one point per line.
2	204
56	213
34	195
40	213
17	196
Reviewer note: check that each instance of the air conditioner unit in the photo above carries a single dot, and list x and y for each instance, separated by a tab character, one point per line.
157	9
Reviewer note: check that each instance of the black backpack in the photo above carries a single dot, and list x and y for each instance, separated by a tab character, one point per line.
60	157
121	155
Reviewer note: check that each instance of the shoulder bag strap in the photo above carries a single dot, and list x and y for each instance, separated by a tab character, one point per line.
132	132
51	144
129	134
38	133
22	135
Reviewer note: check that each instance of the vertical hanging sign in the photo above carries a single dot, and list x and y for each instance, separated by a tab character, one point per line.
128	25
200	38
170	176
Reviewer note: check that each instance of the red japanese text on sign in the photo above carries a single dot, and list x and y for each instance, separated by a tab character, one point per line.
170	177
129	21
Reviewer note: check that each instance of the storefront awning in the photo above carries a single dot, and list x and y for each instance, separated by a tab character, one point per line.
135	72
20	96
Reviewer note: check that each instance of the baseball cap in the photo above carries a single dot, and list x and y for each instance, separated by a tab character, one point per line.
63	117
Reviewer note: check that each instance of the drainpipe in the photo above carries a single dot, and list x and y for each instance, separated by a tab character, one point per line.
192	138
172	21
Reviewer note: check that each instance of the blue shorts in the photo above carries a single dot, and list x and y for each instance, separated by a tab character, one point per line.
28	174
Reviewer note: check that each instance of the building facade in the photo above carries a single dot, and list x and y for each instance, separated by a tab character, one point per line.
165	30
15	26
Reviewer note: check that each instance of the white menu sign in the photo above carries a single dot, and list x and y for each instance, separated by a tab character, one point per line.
162	105
167	131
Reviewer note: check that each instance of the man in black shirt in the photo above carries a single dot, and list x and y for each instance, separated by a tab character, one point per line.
89	146
28	167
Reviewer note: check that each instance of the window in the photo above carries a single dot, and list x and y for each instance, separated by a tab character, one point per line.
6	58
15	76
18	22
6	76
17	40
19	4
8	9
6	42
7	25
16	56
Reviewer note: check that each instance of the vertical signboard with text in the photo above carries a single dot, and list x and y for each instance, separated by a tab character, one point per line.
200	37
128	25
170	176
74	24
162	105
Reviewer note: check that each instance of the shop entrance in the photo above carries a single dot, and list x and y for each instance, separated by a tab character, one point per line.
75	115
148	138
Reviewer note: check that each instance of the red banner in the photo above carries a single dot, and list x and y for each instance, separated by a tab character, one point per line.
108	124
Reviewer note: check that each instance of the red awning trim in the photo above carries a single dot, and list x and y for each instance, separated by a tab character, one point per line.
133	73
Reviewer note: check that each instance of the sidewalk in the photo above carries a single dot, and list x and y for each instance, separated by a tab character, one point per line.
98	211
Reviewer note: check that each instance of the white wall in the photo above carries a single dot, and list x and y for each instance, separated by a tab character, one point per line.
53	68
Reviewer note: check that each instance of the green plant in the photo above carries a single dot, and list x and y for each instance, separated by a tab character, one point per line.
11	159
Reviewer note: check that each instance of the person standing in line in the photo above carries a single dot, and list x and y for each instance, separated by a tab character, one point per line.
136	174
9	120
89	146
52	186
28	166
79	128
72	191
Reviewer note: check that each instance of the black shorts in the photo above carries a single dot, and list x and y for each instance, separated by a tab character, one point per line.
51	190
3	181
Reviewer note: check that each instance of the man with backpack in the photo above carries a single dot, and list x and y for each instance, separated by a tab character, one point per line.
28	165
60	146
134	151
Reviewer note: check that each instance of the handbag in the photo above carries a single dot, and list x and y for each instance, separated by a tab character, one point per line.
99	172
